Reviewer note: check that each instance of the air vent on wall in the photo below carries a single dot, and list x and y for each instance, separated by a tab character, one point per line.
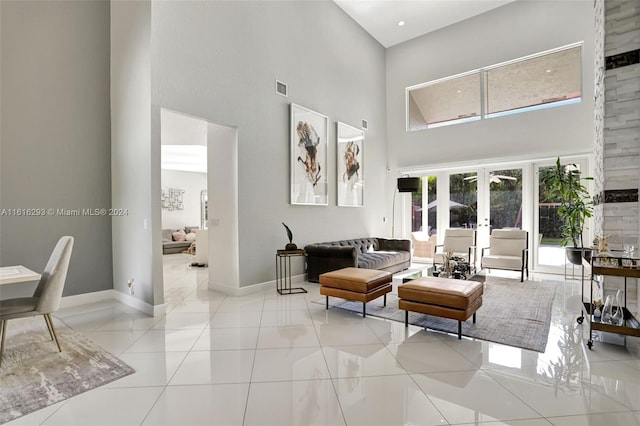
365	124
281	88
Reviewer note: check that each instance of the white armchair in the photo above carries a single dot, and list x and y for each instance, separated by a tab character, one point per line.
423	244
460	241
508	249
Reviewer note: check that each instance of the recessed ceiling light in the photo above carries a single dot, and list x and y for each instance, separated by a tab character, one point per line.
549	70
400	23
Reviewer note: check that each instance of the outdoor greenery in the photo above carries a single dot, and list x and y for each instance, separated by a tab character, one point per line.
563	183
506	200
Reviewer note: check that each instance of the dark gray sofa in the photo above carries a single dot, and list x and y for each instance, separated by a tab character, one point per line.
387	255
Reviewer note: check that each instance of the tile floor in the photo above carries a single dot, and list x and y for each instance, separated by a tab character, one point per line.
267	359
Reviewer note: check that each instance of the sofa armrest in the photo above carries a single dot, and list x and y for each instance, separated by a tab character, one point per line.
323	258
394	245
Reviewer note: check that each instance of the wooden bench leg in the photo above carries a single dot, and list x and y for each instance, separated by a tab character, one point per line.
364	309
406	318
385	300
459	330
327	302
474	317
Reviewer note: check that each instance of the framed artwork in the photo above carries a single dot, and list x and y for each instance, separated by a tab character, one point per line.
350	166
309	134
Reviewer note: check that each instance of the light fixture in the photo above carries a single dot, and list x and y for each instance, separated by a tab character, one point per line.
405	184
401	23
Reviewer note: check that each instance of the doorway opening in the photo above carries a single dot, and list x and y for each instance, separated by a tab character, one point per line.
183	180
199	206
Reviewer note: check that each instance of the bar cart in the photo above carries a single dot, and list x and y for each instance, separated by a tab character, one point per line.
626	267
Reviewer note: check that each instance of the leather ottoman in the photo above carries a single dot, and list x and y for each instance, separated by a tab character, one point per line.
358	284
441	297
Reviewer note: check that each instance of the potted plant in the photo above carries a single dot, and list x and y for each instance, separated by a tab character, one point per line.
565	184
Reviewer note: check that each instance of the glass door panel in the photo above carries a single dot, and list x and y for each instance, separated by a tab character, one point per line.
463	200
548	252
501	202
505	199
424	217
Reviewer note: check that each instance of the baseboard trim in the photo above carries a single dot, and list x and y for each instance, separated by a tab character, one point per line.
254	288
159	310
100	296
139	305
86	298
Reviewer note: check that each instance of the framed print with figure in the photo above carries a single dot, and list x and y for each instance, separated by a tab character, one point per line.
309	135
350	166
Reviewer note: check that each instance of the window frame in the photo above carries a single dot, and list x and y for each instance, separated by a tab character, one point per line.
482	90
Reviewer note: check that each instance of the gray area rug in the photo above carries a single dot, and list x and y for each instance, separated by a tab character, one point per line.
512	313
34	374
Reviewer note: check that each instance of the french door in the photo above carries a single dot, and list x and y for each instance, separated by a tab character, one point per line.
481	198
486	199
509	195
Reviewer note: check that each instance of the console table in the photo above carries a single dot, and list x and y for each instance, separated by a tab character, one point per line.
283	271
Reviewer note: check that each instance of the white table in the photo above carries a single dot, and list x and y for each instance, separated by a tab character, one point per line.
17	274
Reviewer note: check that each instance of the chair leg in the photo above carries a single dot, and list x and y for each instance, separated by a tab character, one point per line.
3	333
46	320
53	330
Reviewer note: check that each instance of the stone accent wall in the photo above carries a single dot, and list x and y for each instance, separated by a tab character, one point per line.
618	152
598	116
621	131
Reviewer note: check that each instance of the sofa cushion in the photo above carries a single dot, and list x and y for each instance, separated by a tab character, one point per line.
166	235
382	259
502	262
179	235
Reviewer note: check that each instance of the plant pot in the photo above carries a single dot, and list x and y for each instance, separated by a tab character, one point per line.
575	255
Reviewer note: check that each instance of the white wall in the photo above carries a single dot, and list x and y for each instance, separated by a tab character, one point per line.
192	183
131	150
223	236
515	30
219	61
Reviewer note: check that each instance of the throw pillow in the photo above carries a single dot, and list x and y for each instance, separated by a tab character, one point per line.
191	236
370	249
179	235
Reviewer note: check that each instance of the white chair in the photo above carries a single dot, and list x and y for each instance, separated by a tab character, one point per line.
423	244
508	249
461	242
45	299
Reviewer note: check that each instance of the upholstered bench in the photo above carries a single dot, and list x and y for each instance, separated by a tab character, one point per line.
359	284
441	297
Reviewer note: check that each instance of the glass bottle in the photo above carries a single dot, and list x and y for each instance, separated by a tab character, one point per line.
617	318
606	311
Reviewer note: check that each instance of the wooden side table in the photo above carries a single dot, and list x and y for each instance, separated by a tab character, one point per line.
283	271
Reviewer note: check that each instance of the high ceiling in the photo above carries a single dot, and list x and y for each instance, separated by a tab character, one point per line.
380	18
